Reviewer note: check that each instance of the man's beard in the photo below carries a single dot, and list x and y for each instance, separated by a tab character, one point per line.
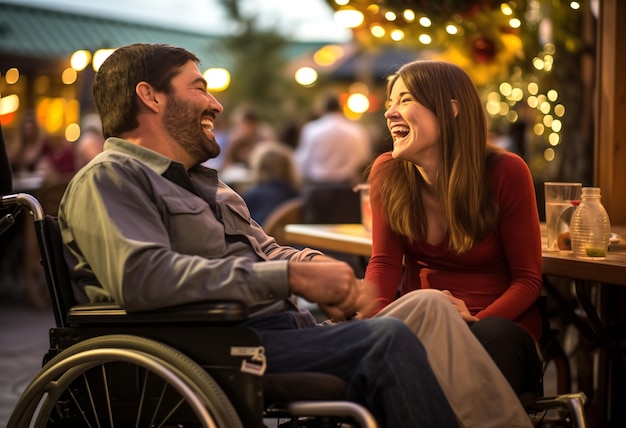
182	122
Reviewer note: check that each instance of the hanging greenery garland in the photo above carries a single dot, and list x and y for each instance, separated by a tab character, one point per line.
485	37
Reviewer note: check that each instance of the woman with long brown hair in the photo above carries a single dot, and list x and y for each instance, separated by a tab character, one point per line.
455	214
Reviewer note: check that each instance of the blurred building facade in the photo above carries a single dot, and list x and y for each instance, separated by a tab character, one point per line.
36	69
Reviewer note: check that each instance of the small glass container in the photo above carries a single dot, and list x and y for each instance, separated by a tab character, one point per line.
590	228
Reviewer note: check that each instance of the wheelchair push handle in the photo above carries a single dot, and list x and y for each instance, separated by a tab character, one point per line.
21	200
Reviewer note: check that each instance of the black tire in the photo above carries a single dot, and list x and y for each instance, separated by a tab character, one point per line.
50	400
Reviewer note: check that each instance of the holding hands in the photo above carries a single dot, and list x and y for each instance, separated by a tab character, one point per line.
333	286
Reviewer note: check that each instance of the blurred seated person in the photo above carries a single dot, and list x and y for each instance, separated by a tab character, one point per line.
28	152
333	148
90	142
35	152
275	179
247	130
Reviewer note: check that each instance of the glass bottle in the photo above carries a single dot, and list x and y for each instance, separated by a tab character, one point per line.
590	228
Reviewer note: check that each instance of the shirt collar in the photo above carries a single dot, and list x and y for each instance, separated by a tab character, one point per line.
168	168
154	160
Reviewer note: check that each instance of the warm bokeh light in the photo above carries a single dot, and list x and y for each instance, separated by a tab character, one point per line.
506	88
349	18
100	56
72	132
425	21
9	104
408	15
554	139
390	16
559	110
306	76
425	39
553	95
547	120
517	94
80	59
69	76
397	35
218	79
358	103
378	31
12	76
328	55
452	29
515	23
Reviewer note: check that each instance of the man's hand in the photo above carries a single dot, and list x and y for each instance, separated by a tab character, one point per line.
333	286
461	307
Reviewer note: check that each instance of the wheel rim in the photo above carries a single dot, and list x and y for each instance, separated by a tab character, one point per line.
80	368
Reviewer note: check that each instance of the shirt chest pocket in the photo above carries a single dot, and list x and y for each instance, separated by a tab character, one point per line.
192	227
236	219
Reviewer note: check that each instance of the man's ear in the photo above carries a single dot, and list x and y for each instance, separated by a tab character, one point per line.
455	107
148	96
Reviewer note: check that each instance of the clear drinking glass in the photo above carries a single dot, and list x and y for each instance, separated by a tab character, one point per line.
561	201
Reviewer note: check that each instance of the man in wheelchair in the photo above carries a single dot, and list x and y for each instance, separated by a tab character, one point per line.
146	226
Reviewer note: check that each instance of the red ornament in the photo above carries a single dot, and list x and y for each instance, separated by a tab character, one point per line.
483	49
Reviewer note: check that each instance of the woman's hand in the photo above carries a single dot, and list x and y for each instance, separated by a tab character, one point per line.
461	307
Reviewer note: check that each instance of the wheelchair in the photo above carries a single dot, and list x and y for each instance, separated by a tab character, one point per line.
184	366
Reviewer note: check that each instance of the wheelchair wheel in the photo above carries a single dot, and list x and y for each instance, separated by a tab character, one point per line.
120	381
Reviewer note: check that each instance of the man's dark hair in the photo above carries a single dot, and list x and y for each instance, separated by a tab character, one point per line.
115	82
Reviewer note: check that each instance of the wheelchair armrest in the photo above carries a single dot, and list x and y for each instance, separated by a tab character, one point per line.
203	312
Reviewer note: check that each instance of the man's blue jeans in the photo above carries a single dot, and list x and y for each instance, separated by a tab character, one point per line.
381	359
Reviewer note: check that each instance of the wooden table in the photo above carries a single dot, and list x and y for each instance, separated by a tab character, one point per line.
345	238
354	239
610	392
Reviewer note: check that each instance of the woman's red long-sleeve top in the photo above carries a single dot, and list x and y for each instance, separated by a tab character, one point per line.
499	276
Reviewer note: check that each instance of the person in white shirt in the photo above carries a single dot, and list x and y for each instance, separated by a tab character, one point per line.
333	148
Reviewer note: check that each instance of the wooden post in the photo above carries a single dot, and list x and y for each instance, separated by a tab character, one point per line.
610	133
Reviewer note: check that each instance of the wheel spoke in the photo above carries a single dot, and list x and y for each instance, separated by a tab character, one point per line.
79	407
91	400
142	398
107	395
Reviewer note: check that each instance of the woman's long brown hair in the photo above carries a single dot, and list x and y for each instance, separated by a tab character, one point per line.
469	208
